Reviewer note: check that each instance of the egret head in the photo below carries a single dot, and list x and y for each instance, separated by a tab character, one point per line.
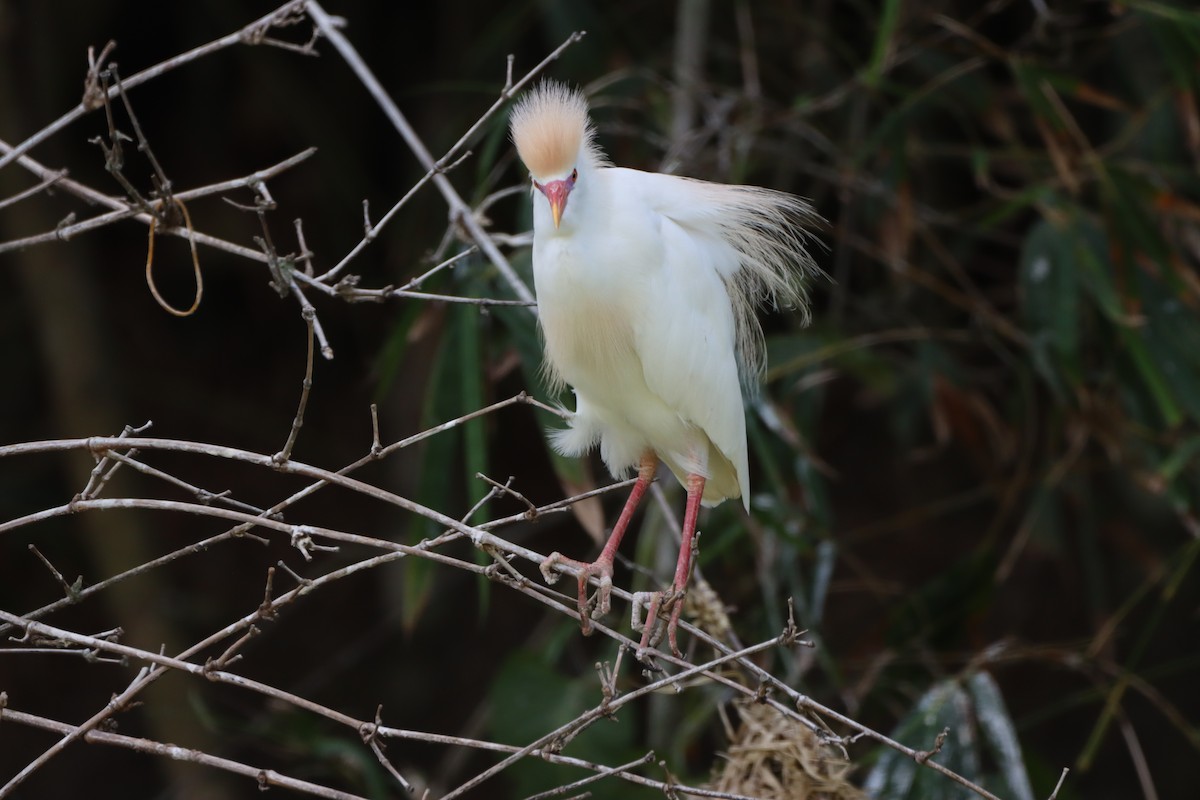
555	139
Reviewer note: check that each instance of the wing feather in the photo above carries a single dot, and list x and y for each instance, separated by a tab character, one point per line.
760	237
726	251
687	342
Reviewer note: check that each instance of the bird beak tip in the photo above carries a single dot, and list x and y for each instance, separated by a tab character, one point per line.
556	193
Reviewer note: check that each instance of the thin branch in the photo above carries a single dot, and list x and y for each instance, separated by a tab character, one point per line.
244	35
381	294
83	594
305	388
163	663
275	511
46	182
607	708
266	778
202	495
102	473
459	211
68	589
123	210
372	739
1061	779
448	263
506	488
604	773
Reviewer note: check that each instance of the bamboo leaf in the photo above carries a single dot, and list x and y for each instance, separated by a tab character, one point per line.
1049	284
882	49
978	730
895	776
529	698
1000	736
1172	340
1152	381
439	456
470	364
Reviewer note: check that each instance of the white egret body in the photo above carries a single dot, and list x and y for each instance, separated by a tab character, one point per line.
647	285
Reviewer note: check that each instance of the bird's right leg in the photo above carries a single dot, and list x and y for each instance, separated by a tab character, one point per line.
602	567
660	601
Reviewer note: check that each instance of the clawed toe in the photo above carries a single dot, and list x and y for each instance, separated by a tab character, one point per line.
655	603
549	574
603	571
600	569
603	591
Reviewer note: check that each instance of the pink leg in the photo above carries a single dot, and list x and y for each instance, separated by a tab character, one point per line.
602	567
683	567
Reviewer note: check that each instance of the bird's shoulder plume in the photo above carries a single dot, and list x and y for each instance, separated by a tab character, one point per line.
770	233
552	131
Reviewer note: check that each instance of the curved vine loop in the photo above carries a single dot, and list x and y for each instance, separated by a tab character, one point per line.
187	220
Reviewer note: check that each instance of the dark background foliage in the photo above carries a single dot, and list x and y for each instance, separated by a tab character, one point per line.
981	455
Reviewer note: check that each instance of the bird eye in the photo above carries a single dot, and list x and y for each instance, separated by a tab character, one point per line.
574	175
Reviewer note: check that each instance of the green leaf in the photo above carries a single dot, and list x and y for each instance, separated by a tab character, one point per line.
1049	282
391	357
822	578
1000	735
439	460
888	21
1030	77
979	731
796	355
471	398
1179	458
895	776
1089	249
522	333
1172	339
1177	35
470	364
529	698
1152	380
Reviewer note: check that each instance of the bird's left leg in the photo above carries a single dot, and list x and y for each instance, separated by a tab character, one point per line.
683	568
602	567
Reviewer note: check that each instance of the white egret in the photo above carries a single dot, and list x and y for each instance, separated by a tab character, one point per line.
647	286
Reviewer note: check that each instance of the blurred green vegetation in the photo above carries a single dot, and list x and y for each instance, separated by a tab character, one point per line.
976	473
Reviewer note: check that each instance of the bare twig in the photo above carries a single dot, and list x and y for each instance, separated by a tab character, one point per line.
507	489
46	182
123	210
370	736
265	778
305	388
69	590
105	468
1061	779
606	708
237	37
603	773
459	211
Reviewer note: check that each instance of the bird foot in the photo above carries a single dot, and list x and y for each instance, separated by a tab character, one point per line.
656	603
601	569
549	574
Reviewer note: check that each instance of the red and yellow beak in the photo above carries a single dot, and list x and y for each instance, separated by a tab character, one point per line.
556	193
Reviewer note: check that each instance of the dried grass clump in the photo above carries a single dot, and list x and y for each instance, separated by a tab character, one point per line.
776	758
